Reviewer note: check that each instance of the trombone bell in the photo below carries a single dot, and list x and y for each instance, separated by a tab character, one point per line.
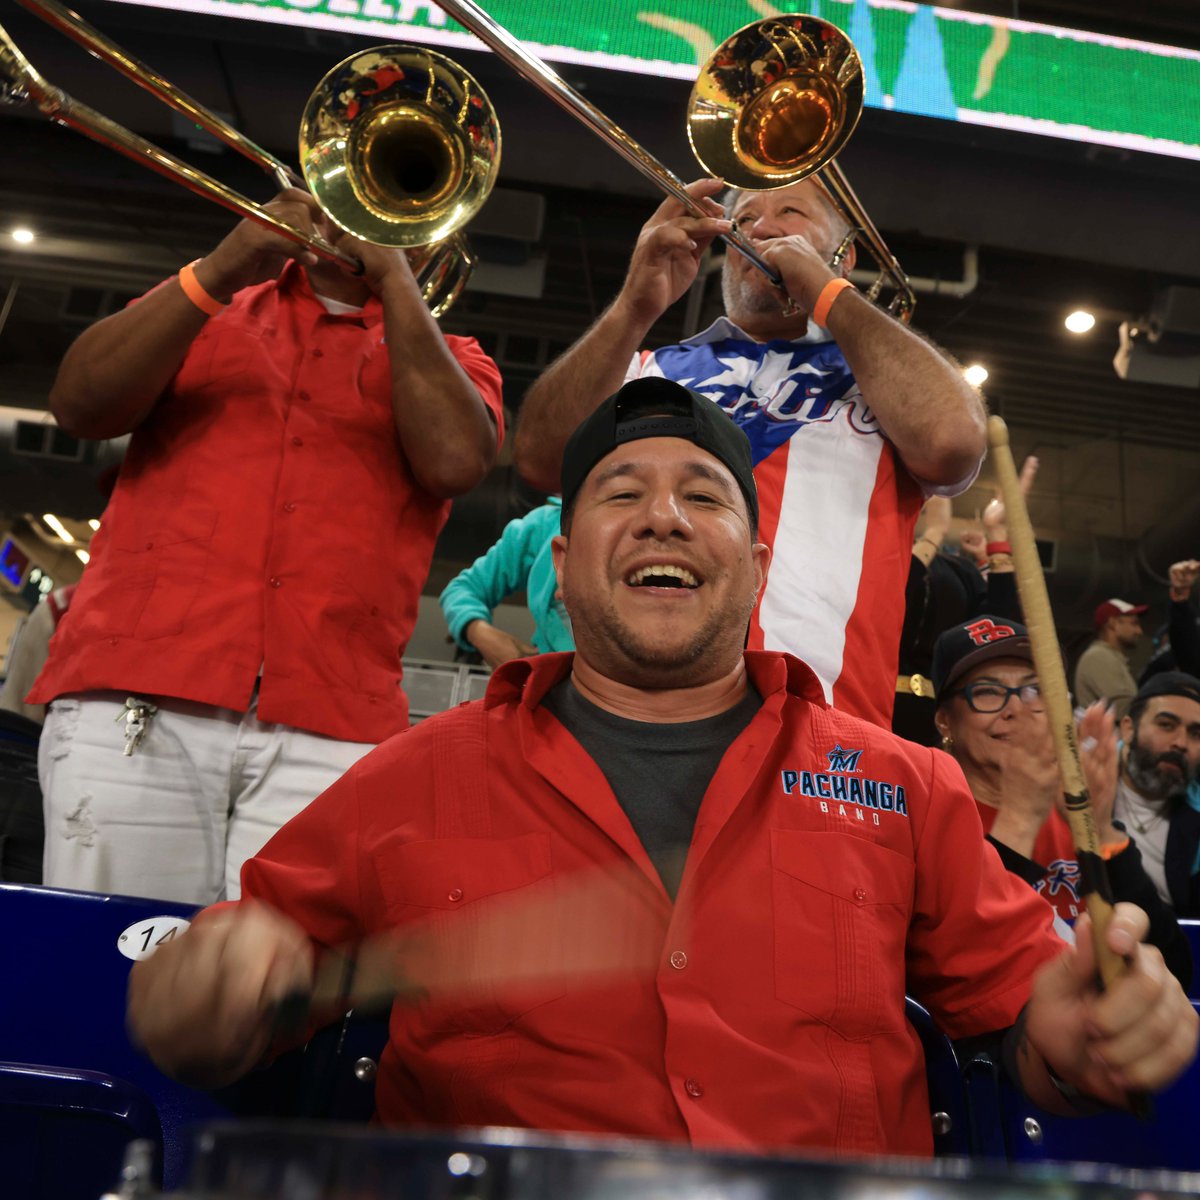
399	145
775	102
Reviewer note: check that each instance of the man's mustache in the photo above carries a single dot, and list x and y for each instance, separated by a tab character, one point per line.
1174	758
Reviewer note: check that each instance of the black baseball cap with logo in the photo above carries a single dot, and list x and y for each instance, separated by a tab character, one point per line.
657	407
976	641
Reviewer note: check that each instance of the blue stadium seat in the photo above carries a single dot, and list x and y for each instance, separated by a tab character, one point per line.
1192	930
64	1132
66	1021
947	1094
70	1076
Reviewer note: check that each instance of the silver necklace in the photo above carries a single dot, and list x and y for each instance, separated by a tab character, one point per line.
1148	824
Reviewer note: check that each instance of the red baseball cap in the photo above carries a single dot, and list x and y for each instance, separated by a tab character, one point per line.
1116	608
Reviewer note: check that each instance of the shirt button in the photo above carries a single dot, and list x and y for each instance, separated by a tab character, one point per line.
297	441
318	353
455	894
678	960
303	396
694	1088
289	506
860	894
276	581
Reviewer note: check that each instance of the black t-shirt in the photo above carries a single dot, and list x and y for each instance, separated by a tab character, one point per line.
658	772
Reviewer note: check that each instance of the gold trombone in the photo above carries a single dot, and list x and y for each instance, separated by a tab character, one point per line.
772	106
399	146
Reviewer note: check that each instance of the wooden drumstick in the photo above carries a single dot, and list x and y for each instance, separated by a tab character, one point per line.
1047	661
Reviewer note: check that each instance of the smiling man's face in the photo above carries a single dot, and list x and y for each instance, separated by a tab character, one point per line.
660	570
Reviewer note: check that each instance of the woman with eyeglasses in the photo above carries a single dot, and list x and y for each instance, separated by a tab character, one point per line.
991	718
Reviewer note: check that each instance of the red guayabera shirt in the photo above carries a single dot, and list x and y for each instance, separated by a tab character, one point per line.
265	517
833	865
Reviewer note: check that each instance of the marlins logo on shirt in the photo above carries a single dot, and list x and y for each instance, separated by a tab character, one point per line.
842	785
772	390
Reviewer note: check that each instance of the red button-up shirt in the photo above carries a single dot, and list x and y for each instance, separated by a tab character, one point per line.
832	867
266	517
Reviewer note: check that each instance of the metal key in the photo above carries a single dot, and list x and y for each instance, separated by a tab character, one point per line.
136	714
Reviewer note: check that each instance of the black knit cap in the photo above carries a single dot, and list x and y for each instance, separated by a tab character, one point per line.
1170	683
656	407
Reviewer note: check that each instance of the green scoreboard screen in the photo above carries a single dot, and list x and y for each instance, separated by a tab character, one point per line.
919	59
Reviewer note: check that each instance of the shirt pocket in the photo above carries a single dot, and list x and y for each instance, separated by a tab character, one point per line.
222	351
154	568
841	911
483	912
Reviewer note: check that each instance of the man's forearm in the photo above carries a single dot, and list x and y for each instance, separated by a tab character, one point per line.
445	430
569	390
115	372
929	412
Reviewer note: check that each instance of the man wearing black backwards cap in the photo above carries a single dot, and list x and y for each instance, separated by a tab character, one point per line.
789	869
1158	797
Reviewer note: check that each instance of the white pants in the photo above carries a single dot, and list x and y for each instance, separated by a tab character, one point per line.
204	791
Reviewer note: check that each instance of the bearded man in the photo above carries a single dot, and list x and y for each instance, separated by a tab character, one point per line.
1158	797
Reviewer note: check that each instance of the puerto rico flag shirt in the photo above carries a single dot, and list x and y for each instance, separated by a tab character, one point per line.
837	506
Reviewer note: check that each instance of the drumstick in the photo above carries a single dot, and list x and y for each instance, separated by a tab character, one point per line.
1047	661
1052	679
561	937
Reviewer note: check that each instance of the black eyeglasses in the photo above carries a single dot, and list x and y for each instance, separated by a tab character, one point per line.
986	697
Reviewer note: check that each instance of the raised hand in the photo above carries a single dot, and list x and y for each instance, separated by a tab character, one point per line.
974	543
667	255
252	254
1098	758
1183	576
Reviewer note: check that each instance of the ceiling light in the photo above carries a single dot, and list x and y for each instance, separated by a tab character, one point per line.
1080	321
59	528
83	556
22	236
94	524
976	374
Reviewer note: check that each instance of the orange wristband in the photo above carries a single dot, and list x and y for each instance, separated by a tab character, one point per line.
829	293
1113	849
193	289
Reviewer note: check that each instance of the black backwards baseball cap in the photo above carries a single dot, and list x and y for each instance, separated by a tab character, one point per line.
1170	683
976	641
657	407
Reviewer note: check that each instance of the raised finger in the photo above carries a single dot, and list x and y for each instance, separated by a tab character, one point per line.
685	235
1029	470
701	191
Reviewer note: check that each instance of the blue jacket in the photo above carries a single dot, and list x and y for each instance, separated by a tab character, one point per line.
520	559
